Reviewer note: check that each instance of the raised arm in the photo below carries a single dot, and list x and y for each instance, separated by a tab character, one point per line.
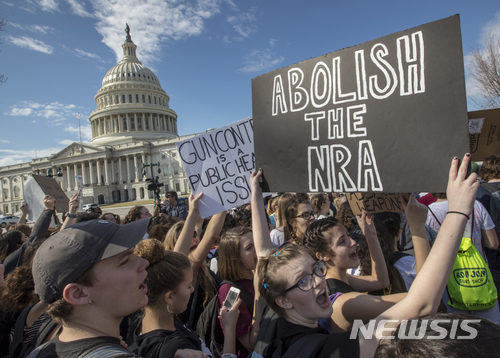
24	209
183	243
426	291
489	239
416	215
39	231
74	204
261	238
156	211
212	232
379	278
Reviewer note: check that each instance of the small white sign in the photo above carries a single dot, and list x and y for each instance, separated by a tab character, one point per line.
218	164
476	125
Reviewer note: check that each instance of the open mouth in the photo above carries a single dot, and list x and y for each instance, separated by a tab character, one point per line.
143	287
353	256
322	299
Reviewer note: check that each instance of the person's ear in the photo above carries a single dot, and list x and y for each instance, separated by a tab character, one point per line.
284	303
168	297
76	294
321	256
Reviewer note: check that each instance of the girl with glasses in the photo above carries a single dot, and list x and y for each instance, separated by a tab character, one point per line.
300	310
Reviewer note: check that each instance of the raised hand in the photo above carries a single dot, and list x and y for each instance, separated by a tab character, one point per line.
367	224
49	202
416	213
194	202
74	204
461	191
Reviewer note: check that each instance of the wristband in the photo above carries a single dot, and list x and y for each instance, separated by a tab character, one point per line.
458	212
72	216
229	355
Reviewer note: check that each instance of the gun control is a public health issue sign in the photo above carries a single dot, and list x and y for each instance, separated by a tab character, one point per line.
218	164
384	116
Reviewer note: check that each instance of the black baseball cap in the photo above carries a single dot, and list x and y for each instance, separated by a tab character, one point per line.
65	256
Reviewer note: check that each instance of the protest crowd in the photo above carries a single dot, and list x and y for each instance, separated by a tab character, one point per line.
309	272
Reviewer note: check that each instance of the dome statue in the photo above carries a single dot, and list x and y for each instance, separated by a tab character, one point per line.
131	104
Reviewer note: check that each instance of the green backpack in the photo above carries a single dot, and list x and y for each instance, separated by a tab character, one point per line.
470	286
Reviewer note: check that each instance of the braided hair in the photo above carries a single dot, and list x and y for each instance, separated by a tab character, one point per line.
315	238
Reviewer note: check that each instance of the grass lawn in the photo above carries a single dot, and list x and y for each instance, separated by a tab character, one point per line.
127	203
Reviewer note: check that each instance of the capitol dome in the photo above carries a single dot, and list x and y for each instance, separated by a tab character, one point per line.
131	104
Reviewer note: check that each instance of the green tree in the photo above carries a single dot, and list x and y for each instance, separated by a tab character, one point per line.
485	70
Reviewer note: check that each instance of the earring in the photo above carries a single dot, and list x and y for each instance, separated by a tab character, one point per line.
90	302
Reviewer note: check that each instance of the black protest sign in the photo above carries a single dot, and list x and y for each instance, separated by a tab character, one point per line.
50	187
484	132
384	116
376	202
218	164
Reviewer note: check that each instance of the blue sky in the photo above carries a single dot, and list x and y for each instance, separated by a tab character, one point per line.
205	53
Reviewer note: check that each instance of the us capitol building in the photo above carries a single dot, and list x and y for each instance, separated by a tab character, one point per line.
133	125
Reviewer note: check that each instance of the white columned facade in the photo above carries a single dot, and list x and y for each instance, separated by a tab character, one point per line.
68	177
120	170
106	171
136	166
91	172
76	173
129	178
98	165
84	180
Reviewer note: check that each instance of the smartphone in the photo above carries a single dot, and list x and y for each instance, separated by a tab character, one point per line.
231	297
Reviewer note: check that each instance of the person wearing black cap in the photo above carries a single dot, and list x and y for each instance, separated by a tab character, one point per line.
91	278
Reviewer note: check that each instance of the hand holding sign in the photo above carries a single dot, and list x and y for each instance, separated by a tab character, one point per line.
416	213
49	202
194	203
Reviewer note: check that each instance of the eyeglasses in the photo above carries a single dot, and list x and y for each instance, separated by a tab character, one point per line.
305	216
306	283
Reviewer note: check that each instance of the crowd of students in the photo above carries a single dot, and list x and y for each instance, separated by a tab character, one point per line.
308	272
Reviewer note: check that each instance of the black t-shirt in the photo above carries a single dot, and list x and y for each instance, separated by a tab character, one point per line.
55	348
334	286
336	345
181	338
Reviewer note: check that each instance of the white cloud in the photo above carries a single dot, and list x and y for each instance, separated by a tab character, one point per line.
4	141
11	156
243	24
33	28
19	111
30	43
78	8
54	112
86	131
48	5
151	22
81	53
66	142
260	61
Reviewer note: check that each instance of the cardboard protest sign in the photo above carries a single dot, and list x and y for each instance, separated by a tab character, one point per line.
384	116
218	164
484	132
50	187
376	202
35	189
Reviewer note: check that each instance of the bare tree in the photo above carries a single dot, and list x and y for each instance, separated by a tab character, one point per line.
485	69
3	23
